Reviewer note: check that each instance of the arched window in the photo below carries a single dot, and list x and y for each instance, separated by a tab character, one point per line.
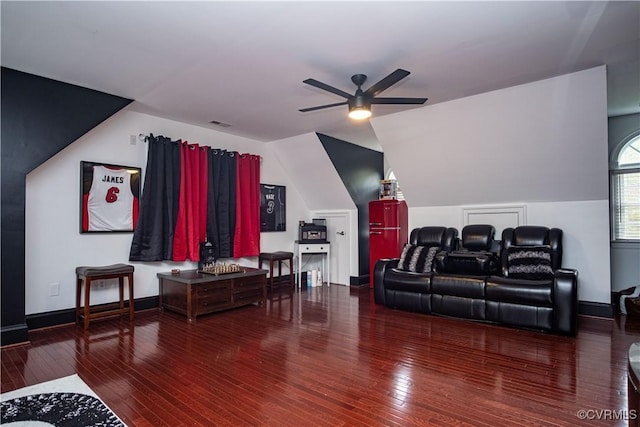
625	186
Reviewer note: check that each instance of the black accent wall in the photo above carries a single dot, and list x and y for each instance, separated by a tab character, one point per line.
40	117
361	170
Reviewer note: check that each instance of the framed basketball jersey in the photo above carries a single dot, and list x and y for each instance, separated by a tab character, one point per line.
109	197
273	208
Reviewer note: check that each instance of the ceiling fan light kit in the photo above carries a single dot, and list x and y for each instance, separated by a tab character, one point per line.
360	102
359	107
359	113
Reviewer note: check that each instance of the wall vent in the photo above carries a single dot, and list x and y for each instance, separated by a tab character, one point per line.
217	123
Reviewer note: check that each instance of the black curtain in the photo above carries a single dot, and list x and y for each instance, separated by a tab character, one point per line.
153	236
221	201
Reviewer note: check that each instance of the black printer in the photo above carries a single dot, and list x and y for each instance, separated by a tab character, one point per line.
312	232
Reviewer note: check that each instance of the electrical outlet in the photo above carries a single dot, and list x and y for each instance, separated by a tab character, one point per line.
101	284
133	139
54	289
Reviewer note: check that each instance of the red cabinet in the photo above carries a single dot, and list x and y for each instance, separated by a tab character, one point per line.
388	230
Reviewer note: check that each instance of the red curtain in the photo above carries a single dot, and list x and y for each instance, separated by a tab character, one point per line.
191	224
246	240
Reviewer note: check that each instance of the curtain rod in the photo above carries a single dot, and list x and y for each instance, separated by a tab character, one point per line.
144	138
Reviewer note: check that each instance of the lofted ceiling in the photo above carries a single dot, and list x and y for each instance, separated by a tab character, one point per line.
242	63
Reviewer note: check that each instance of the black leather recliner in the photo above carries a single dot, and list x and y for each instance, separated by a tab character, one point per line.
476	255
458	288
545	301
529	289
411	290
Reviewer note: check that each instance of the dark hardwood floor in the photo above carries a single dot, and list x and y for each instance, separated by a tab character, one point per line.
331	357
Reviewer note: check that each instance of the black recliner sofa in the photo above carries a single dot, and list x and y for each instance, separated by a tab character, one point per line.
517	281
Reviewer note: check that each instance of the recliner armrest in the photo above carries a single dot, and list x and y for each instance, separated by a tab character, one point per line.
438	262
378	278
565	301
481	263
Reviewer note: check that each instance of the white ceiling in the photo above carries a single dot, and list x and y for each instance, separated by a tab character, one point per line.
243	63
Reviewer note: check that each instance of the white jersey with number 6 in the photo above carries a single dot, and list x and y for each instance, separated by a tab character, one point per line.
110	202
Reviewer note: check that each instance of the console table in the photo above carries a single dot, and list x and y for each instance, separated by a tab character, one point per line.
193	294
314	248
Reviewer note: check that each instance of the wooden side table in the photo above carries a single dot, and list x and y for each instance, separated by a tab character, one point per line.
323	248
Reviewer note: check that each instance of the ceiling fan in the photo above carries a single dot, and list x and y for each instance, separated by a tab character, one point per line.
360	102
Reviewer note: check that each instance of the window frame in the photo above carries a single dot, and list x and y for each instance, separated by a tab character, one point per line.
614	171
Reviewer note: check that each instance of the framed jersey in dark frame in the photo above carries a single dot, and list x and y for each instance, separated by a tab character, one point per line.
273	208
109	197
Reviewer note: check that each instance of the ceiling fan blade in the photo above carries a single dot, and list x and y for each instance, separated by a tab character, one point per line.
304	110
399	100
324	86
387	82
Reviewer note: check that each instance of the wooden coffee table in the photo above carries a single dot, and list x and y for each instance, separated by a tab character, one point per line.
193	293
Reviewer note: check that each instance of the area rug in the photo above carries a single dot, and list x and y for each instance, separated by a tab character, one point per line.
63	402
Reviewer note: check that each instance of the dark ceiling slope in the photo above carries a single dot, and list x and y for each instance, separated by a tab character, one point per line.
361	170
32	132
40	117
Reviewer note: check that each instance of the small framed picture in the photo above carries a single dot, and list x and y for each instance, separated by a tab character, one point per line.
109	197
273	208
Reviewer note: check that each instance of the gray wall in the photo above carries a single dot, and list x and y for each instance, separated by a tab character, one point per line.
542	142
